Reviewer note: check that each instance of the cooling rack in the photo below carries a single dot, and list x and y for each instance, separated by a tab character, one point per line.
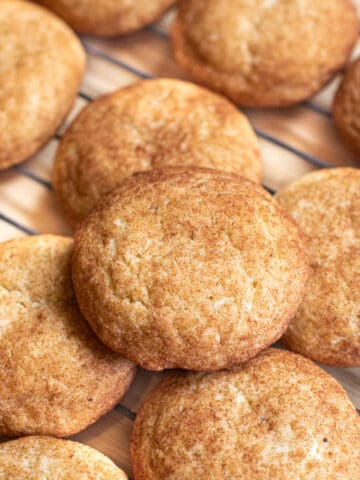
293	141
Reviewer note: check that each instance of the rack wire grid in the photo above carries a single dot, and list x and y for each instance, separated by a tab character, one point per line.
293	141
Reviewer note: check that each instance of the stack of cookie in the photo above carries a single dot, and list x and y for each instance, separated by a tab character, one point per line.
181	259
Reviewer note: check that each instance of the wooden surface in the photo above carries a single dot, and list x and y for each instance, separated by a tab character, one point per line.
293	141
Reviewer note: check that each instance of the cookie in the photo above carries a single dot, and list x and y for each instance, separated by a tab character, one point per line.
108	17
188	268
264	53
150	124
56	377
346	108
326	205
41	66
35	458
276	416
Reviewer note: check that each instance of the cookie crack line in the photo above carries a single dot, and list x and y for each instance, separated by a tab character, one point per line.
19	302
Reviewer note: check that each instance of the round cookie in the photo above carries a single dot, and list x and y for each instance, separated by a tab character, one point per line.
151	124
41	66
188	268
346	108
56	377
264	53
276	416
326	205
108	17
35	458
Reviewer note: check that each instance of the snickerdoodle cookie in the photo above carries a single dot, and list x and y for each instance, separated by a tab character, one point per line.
278	416
190	268
45	458
326	205
108	17
56	377
264	52
346	108
41	65
150	124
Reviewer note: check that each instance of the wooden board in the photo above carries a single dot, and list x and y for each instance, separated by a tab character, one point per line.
293	141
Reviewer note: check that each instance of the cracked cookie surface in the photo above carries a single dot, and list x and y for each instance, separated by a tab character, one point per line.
264	53
326	205
108	17
56	377
41	66
190	268
41	458
276	416
150	124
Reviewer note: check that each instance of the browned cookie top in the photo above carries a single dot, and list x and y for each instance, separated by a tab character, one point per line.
108	17
148	125
56	377
189	268
326	205
264	52
40	458
346	108
41	65
278	416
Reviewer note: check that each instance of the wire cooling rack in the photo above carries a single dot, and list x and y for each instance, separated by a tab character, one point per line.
293	141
